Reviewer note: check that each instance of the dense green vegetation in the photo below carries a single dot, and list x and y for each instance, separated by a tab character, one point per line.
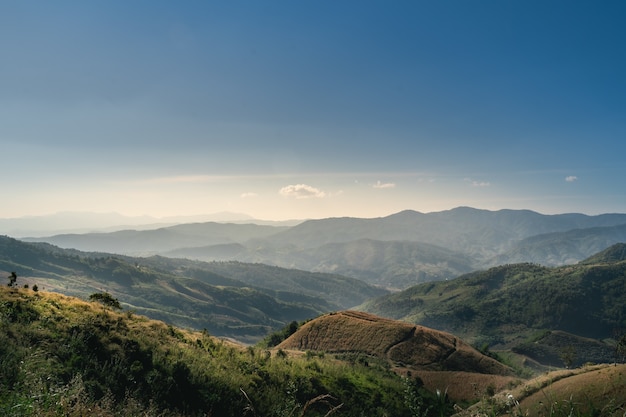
274	338
336	290
62	356
242	301
502	304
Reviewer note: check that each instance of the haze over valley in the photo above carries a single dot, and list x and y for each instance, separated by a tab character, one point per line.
393	252
432	304
306	209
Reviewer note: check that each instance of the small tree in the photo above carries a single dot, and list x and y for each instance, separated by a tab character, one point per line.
568	355
12	280
106	299
620	346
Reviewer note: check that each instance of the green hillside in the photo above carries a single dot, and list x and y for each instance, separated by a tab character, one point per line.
335	289
61	356
614	253
561	248
389	264
507	305
479	233
183	293
394	252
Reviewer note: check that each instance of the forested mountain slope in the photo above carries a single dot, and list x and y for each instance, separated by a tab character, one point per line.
505	304
391	264
185	293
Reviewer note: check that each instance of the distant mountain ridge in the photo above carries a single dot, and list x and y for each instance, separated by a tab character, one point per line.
395	251
465	229
88	222
147	242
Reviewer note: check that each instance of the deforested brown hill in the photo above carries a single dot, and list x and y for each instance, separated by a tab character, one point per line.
402	344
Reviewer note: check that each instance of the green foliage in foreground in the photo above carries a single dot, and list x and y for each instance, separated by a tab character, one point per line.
60	356
278	336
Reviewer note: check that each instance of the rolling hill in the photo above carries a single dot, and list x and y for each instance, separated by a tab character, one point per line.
593	390
61	356
399	343
506	306
64	356
478	233
391	264
186	293
437	359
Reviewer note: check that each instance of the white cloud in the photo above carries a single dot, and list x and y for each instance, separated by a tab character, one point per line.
474	183
301	191
571	178
384	185
248	195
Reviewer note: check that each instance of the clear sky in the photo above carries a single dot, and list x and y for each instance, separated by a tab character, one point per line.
310	109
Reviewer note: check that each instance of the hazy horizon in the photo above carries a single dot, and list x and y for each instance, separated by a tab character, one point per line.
290	110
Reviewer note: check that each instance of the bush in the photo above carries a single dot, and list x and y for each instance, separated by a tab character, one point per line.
106	299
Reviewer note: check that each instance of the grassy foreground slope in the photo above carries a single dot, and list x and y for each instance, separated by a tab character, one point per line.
593	391
61	356
471	383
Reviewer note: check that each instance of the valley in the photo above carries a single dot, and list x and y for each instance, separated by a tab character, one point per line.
495	298
394	252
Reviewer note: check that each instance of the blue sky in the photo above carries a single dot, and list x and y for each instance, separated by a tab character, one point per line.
309	109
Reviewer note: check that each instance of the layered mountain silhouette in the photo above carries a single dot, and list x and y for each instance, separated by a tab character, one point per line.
242	301
396	251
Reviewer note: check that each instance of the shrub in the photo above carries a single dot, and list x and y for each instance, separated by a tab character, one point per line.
106	299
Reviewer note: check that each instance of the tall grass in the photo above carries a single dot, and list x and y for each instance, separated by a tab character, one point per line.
60	356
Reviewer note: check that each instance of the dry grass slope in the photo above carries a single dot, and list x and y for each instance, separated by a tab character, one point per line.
598	390
440	359
590	389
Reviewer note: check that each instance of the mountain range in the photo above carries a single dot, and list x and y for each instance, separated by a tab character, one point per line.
395	252
86	222
242	301
472	300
